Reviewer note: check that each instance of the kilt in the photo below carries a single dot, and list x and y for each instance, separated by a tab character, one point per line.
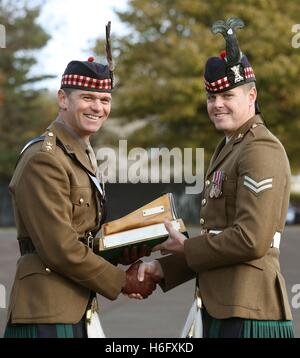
245	328
60	330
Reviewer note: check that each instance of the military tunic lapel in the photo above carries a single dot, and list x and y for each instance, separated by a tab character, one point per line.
72	146
220	156
223	151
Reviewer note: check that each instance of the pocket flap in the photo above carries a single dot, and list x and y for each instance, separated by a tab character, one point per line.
81	196
30	264
258	263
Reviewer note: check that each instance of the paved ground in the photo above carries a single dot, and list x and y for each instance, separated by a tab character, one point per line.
161	315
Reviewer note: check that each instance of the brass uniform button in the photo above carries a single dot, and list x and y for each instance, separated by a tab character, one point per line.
203	202
81	201
201	221
48	270
50	134
207	183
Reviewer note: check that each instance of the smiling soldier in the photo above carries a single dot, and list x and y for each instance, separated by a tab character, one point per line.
244	206
59	206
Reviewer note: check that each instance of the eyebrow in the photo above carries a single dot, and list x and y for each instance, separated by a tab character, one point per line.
95	97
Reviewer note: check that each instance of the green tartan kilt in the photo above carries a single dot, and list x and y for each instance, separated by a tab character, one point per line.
77	330
245	328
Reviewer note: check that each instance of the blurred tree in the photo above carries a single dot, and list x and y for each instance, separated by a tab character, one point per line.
160	67
21	106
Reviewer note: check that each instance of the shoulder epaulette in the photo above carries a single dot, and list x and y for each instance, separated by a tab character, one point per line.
49	143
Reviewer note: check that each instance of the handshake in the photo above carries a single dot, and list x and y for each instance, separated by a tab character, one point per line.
142	277
139	289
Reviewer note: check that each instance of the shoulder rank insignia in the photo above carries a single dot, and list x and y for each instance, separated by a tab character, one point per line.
49	143
49	146
259	186
217	181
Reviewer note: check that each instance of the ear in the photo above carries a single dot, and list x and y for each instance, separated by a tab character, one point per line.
252	96
62	100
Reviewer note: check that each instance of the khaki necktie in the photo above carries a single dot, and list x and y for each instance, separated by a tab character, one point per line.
92	157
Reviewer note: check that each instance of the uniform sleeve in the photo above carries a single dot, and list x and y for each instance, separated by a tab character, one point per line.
176	271
262	190
42	198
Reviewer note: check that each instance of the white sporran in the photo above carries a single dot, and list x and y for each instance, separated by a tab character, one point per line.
193	327
93	324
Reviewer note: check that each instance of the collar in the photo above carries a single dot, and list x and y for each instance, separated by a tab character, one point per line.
72	132
223	149
71	143
251	123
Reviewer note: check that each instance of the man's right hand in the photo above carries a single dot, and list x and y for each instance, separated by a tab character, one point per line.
145	269
142	288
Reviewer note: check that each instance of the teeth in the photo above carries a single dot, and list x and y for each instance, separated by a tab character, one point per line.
91	116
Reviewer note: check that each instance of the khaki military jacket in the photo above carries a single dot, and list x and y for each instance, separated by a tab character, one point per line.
55	205
234	256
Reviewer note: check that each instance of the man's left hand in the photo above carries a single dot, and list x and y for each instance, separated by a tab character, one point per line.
132	254
174	243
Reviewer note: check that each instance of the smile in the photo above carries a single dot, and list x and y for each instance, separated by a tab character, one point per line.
93	117
220	115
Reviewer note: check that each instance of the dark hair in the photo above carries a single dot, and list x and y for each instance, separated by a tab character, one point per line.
68	91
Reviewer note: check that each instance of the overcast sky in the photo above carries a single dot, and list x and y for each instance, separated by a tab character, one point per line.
73	26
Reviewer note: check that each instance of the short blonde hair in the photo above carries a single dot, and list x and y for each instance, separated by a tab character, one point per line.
247	86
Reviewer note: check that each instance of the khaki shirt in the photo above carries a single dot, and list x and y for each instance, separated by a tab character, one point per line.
55	206
238	268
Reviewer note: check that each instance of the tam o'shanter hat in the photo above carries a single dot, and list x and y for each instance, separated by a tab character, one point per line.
232	68
90	75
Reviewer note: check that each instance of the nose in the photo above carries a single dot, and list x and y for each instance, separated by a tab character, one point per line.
96	106
218	101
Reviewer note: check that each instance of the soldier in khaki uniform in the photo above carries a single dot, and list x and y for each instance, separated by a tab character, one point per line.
59	206
244	205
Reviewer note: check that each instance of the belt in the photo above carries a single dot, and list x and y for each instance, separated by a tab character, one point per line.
26	246
275	241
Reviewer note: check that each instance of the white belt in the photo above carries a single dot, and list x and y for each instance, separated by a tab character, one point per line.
275	242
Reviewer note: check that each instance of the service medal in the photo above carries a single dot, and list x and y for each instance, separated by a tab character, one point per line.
216	190
212	192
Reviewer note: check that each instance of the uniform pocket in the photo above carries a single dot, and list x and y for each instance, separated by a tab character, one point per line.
81	199
258	263
31	265
229	191
214	213
229	187
40	292
248	285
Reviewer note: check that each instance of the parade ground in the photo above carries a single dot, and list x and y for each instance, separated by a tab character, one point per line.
162	314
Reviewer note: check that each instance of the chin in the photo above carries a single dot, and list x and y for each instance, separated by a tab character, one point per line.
220	127
92	129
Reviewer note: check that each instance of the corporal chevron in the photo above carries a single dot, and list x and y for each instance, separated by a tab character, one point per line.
260	186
